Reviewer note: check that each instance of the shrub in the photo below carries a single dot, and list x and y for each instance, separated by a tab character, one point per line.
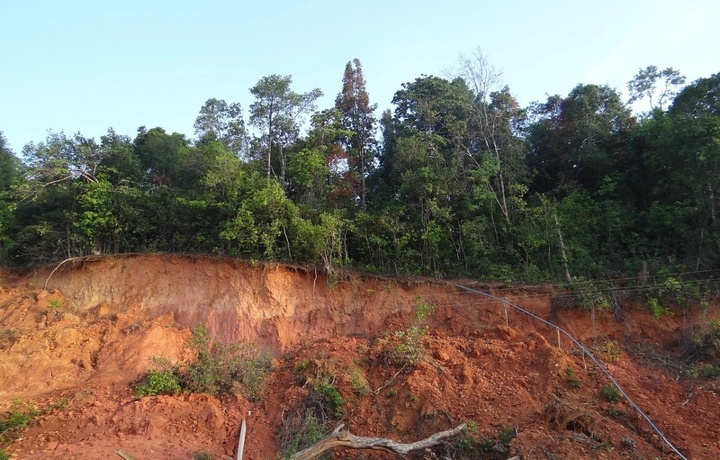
589	295
310	431
571	380
611	350
219	366
324	398
708	371
358	382
405	348
657	309
330	397
470	445
156	383
610	394
16	418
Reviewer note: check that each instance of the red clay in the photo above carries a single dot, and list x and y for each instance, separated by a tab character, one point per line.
99	323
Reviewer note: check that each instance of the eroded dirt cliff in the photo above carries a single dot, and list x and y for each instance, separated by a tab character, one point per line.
84	334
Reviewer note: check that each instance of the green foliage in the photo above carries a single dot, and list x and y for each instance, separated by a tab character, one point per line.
358	382
507	434
60	405
55	304
471	445
4	455
165	380
329	396
589	294
466	183
311	431
656	309
319	377
16	418
610	394
571	380
611	350
219	366
708	371
405	347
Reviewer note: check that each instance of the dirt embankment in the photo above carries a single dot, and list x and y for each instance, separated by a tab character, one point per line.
97	326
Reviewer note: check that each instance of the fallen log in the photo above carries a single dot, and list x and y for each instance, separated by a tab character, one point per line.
343	438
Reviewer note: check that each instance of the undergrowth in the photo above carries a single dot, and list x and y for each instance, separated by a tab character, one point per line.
309	419
217	368
473	445
19	415
16	418
405	347
162	379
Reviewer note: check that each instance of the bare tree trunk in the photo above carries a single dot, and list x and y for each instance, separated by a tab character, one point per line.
270	138
563	254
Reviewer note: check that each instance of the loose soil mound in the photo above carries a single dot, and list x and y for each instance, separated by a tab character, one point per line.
71	344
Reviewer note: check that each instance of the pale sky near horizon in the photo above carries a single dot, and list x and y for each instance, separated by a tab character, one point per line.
84	66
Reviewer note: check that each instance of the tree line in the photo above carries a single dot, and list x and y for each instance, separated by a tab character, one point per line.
458	180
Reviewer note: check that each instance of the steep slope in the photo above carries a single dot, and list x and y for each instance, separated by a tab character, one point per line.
73	340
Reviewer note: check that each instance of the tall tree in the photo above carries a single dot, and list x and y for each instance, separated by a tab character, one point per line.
9	176
645	85
358	118
577	140
223	122
9	165
277	110
685	159
494	118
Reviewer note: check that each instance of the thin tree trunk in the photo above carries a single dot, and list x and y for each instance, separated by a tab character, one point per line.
563	254
270	137
363	205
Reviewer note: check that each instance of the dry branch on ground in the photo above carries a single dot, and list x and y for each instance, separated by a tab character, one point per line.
343	438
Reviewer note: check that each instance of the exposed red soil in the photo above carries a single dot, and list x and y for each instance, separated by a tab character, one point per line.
94	329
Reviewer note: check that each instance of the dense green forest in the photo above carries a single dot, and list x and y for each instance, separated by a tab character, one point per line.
458	180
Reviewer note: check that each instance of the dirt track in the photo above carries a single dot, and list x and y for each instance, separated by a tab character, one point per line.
97	326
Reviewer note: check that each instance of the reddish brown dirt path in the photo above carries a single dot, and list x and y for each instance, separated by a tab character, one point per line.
79	344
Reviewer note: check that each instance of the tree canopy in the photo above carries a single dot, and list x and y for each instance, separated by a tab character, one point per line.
459	180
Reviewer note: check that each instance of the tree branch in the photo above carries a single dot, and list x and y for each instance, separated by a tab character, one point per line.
346	439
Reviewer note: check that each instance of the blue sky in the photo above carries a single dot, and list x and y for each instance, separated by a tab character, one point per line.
89	65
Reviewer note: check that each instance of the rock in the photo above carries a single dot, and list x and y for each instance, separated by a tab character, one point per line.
442	355
507	331
213	417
